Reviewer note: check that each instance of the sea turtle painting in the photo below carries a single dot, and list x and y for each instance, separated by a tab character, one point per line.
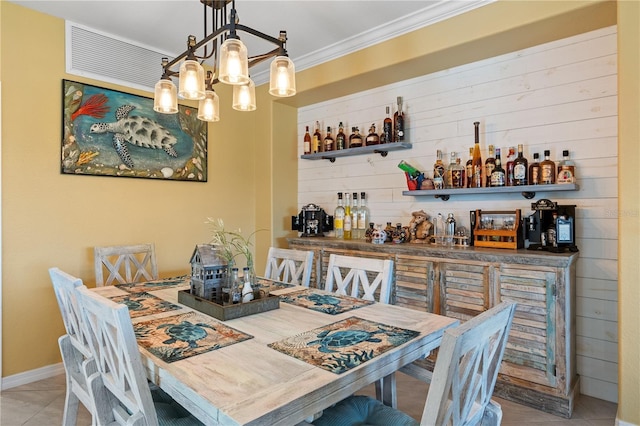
323	299
134	304
341	339
138	131
185	332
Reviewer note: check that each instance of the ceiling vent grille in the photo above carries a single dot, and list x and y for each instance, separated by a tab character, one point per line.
104	57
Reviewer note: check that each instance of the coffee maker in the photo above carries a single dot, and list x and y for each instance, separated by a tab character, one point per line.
551	227
312	221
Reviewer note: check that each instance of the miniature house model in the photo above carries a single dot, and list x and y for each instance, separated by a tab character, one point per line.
208	272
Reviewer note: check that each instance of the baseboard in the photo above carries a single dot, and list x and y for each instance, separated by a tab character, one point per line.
621	423
32	376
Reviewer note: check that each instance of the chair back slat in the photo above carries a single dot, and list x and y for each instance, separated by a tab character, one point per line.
360	277
289	266
125	264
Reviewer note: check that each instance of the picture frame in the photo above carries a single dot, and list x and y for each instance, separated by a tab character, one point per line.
107	132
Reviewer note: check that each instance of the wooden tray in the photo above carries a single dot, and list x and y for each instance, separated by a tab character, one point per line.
228	312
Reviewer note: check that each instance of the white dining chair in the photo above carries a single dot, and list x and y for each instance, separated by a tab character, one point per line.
349	275
289	266
125	264
119	387
462	384
74	348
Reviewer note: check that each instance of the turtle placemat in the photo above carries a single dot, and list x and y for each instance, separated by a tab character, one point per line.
142	304
332	304
181	336
155	284
345	344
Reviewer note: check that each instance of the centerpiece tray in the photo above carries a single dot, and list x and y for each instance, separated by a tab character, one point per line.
228	312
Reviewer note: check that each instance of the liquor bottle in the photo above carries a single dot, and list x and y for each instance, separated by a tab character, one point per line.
328	141
347	217
520	168
398	122
355	141
455	173
566	169
363	216
510	162
317	139
388	233
247	288
354	217
351	136
372	137
498	175
341	138
463	174
490	164
235	293
307	141
438	172
476	179
338	218
450	229
534	170
469	168
547	169
408	168
387	128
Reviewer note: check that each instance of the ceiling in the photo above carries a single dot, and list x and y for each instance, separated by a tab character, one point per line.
317	30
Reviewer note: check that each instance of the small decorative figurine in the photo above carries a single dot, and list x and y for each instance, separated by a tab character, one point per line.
379	235
398	234
419	227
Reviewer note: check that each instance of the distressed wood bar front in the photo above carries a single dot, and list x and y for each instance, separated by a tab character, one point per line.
539	368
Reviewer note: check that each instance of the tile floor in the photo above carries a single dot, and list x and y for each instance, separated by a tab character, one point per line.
41	403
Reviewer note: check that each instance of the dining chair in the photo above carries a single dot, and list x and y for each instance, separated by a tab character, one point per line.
125	264
74	347
289	266
462	384
119	387
349	275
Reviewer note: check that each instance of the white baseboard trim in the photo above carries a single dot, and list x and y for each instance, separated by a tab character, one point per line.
621	423
32	376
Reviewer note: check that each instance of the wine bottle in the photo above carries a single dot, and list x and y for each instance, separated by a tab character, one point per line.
520	168
476	180
307	141
490	164
469	168
328	141
438	172
497	175
338	218
566	169
317	139
372	137
398	122
534	170
547	169
363	216
347	217
387	128
341	138
354	217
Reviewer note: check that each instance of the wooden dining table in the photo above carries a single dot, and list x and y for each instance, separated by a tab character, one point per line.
251	383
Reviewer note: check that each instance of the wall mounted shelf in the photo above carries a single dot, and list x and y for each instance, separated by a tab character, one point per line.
381	149
527	191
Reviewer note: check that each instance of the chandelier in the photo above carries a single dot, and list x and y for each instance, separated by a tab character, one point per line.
230	66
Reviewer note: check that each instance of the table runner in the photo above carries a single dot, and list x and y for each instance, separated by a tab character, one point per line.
142	304
155	284
332	304
181	336
344	344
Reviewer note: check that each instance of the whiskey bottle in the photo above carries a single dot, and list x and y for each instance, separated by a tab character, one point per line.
317	139
469	168
328	141
520	168
338	218
438	172
489	164
347	217
387	128
354	217
534	170
566	169
497	175
547	169
398	122
510	162
455	173
341	138
355	139
476	178
363	216
372	137
307	141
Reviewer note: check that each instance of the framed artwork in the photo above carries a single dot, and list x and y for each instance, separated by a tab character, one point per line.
111	133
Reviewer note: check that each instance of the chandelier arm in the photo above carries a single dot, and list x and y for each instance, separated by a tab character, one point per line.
261	35
204	41
254	60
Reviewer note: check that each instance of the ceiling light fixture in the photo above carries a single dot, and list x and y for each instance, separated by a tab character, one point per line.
233	68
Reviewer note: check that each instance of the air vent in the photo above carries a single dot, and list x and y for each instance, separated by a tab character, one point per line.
104	57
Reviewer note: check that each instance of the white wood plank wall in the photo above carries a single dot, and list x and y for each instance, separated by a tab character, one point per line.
556	96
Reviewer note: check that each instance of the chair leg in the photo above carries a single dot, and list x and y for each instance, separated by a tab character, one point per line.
71	403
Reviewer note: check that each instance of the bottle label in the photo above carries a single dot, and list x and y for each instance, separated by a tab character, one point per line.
489	168
457	179
535	175
362	221
497	178
565	174
548	175
347	223
338	223
519	172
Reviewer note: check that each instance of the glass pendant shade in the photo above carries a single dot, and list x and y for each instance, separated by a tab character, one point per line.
191	84
283	77
234	65
209	107
165	98
244	97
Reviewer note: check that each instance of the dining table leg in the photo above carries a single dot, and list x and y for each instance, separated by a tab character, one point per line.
386	391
